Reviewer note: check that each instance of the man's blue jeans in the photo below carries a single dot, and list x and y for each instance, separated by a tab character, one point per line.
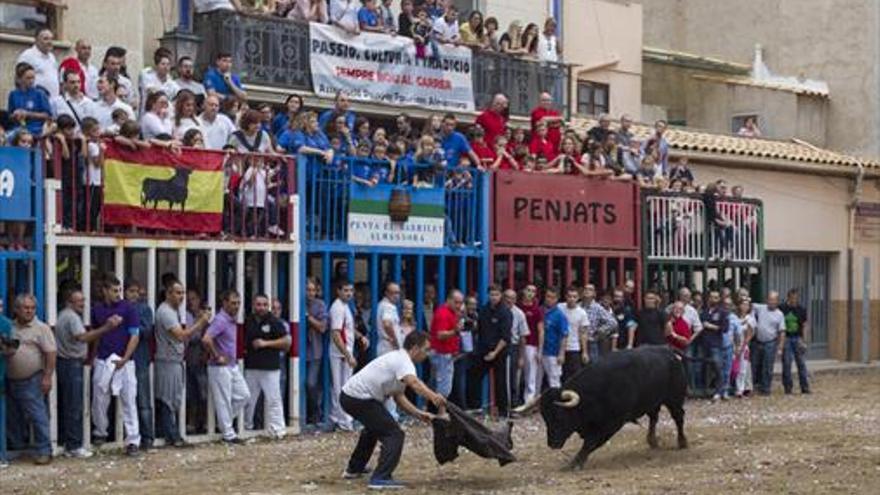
763	355
789	353
716	361
27	405
145	403
442	369
696	377
726	368
70	403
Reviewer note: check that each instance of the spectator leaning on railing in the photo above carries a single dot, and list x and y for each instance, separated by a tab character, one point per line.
88	73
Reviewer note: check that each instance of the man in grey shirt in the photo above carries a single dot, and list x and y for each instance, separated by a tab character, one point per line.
170	371
72	343
516	358
767	342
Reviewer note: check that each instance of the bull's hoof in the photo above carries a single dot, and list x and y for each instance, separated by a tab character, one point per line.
572	467
682	443
652	442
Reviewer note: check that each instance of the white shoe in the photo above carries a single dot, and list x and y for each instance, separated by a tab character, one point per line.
80	453
716	397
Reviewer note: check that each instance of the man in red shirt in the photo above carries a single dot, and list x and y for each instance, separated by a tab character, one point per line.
494	119
545	112
534	341
445	341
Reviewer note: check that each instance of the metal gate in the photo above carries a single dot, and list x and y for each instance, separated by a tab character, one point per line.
809	273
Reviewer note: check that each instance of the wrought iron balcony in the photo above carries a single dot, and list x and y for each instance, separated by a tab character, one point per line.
273	51
680	228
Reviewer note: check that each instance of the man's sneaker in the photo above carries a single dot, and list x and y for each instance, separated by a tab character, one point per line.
233	441
132	450
806	392
347	475
4	464
716	397
389	484
80	453
42	460
181	444
98	441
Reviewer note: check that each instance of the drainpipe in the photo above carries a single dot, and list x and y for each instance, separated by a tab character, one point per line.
850	278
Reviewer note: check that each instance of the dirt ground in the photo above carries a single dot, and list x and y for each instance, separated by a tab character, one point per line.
824	443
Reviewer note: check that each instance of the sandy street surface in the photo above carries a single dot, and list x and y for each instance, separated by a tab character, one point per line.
825	443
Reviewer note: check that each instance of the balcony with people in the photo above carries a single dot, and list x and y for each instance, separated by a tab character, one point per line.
276	47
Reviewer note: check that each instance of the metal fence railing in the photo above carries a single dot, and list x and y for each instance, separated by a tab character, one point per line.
326	197
274	51
257	191
680	228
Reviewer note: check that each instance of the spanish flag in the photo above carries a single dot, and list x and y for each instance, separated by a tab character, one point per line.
157	189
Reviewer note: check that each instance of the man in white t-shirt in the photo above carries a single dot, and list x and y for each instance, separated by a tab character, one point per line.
576	343
344	14
157	78
363	396
41	58
108	102
343	335
217	128
446	27
388	320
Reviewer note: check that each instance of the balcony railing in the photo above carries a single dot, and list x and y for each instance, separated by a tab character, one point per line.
273	51
677	228
327	197
79	207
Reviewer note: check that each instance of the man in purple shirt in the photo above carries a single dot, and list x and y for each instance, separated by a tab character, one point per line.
228	388
114	372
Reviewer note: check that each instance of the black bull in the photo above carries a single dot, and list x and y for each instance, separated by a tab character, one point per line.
619	388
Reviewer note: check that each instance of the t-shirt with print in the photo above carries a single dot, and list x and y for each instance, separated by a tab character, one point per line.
577	323
795	318
115	341
267	328
67	327
168	347
35	340
342	320
381	378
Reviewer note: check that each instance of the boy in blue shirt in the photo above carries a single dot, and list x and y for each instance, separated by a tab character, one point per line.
368	19
555	334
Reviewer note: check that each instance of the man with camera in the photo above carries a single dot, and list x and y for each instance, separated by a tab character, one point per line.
31	356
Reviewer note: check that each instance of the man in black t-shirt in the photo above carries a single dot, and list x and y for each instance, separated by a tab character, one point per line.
651	321
794	346
264	338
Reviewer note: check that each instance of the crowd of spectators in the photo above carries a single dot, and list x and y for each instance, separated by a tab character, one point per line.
427	22
530	339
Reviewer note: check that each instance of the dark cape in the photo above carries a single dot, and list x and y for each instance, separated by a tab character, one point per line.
463	430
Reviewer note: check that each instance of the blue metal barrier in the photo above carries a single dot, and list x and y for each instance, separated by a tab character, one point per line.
461	262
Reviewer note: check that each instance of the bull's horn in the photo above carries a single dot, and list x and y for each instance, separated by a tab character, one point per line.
528	406
570	399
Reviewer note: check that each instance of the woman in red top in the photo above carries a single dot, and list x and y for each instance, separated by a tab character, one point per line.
484	152
678	330
540	145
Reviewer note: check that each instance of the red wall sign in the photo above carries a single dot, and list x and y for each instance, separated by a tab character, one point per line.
564	211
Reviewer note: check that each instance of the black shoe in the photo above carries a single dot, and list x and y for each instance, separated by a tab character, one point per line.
98	441
234	441
806	392
132	451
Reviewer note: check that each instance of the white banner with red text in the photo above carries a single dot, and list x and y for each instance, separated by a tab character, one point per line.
381	68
